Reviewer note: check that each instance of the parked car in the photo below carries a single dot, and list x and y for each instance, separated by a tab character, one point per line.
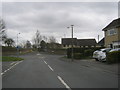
116	49
100	55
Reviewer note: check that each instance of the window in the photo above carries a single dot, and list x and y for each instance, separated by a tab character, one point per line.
112	32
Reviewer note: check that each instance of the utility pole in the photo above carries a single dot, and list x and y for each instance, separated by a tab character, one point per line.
72	43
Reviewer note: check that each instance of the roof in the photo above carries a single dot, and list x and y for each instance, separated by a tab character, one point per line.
86	42
79	42
114	24
68	41
101	42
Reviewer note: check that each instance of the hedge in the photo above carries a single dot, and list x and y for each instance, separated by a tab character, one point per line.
78	55
113	57
83	52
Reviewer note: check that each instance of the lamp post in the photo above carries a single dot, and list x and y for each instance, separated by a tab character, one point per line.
72	42
17	46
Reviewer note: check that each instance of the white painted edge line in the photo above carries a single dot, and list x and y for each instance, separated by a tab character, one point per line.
10	68
45	62
38	54
50	67
12	63
62	81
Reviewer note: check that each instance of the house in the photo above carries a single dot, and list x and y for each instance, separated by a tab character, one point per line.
112	34
86	43
67	42
101	43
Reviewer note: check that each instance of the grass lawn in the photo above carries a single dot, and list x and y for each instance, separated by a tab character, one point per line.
6	58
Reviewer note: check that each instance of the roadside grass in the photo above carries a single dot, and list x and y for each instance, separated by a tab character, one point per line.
6	59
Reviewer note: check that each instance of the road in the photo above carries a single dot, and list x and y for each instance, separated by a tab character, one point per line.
51	71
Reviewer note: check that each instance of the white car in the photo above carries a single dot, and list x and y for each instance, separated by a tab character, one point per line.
116	49
100	55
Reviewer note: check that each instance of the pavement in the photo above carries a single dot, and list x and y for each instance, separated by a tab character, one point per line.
39	70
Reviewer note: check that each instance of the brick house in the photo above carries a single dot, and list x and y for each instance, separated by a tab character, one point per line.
112	34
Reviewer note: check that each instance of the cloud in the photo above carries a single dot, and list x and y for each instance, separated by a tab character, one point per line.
54	18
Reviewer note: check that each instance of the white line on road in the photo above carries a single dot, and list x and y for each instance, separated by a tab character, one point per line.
12	63
2	73
45	62
10	67
38	54
62	81
50	67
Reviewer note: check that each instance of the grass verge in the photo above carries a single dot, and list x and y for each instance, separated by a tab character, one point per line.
6	59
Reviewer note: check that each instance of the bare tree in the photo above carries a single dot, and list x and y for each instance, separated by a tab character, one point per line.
45	38
52	39
23	44
3	35
37	39
28	44
52	42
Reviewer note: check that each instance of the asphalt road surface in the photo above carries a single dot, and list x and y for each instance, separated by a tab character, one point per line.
51	71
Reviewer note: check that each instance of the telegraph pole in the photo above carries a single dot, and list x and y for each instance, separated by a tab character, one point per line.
72	56
72	41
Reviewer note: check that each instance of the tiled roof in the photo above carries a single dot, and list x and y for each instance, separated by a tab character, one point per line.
115	23
101	42
68	41
86	42
79	42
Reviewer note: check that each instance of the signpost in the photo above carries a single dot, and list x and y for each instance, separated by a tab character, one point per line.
17	46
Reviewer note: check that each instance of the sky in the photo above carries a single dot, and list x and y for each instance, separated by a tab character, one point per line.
53	18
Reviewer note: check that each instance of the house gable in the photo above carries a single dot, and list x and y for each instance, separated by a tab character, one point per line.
114	24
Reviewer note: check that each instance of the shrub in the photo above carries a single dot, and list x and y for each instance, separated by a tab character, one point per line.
88	52
78	55
113	57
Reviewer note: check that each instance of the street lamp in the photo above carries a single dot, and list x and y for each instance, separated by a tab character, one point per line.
72	41
17	46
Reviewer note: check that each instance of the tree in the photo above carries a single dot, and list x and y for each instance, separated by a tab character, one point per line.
9	42
52	39
37	39
28	44
3	35
43	45
23	44
52	42
45	38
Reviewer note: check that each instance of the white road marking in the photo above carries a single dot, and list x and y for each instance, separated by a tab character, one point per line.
62	81
38	54
45	62
50	67
2	73
12	63
10	67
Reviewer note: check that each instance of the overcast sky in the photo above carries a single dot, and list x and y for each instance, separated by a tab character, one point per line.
52	19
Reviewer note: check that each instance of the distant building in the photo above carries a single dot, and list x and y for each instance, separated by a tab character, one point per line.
67	42
112	34
101	43
86	43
